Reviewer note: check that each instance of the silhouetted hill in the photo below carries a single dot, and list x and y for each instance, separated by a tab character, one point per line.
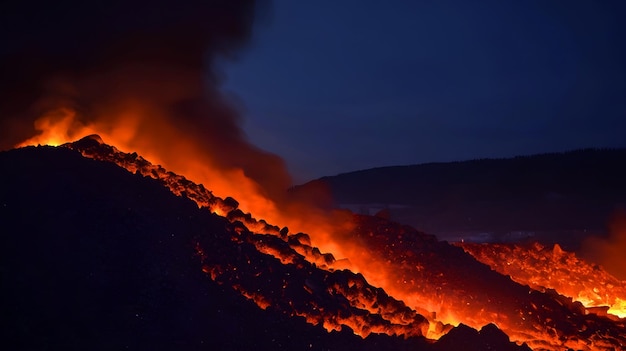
568	193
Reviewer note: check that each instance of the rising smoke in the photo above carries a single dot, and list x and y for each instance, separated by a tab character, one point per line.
609	251
142	69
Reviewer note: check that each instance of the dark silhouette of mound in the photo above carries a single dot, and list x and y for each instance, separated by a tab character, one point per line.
94	257
567	194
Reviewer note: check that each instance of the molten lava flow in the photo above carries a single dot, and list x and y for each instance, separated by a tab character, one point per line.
553	268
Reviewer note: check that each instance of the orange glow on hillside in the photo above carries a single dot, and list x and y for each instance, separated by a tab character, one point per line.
135	128
138	129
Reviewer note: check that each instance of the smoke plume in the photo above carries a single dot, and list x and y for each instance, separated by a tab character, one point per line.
609	251
141	70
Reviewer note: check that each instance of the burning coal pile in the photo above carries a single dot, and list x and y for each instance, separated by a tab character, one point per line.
429	286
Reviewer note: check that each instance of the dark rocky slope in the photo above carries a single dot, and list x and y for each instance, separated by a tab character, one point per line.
94	257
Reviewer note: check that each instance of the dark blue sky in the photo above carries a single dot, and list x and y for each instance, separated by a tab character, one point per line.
335	86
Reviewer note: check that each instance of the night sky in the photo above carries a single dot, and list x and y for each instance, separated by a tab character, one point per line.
330	86
335	86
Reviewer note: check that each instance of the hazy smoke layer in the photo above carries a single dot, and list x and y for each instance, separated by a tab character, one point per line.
148	64
609	251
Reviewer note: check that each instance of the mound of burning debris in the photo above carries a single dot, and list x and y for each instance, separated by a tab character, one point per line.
94	255
435	279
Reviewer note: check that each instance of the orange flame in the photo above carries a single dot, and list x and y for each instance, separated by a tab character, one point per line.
154	140
135	127
138	128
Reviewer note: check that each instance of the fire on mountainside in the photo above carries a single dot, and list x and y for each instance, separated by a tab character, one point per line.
427	277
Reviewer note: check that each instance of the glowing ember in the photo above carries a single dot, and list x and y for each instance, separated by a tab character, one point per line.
331	299
553	268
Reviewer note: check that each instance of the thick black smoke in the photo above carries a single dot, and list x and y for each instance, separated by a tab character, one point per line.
96	57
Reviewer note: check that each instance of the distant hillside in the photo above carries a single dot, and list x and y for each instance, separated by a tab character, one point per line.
571	193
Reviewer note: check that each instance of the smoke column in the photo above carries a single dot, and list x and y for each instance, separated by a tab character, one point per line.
609	251
143	69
